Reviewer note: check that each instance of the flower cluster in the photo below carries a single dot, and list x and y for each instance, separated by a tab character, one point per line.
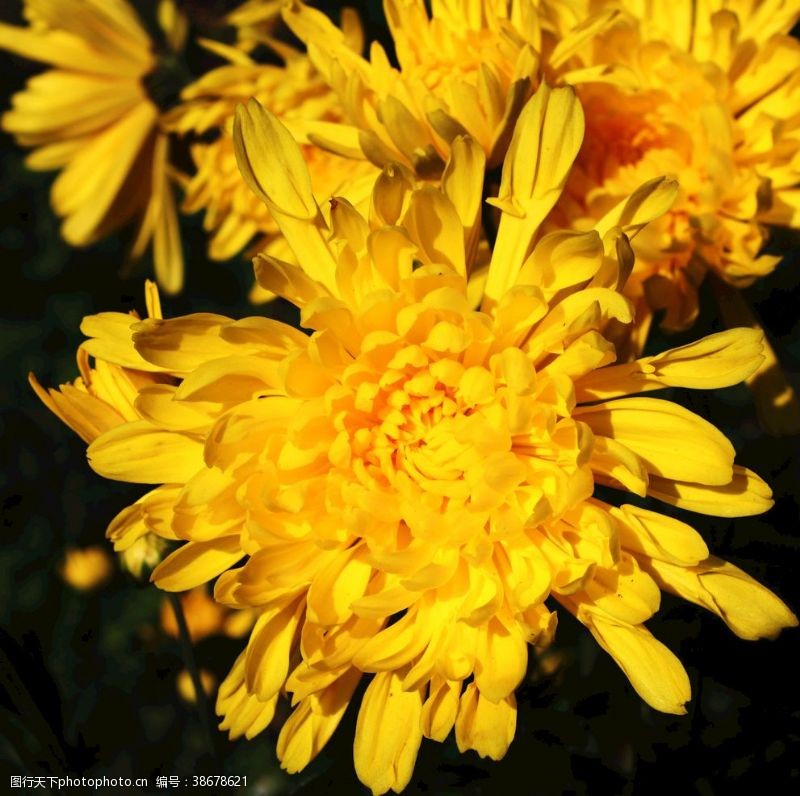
121	103
403	493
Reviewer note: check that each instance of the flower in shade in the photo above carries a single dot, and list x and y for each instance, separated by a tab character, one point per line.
86	568
711	97
407	494
464	68
295	93
91	117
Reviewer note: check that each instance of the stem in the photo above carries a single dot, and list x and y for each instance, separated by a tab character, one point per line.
491	182
188	655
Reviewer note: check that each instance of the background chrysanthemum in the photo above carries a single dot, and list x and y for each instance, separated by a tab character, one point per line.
91	116
293	91
464	68
711	98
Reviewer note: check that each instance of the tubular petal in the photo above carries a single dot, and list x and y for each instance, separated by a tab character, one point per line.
654	671
485	726
749	609
673	442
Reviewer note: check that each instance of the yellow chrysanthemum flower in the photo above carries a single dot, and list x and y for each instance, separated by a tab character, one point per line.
465	68
712	99
91	117
293	92
411	483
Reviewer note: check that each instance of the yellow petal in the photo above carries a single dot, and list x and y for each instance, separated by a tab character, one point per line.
409	136
501	661
625	593
749	609
337	587
181	344
393	647
273	166
86	415
579	35
671	441
62	49
614	465
195	563
562	259
647	203
111	339
85	190
436	227
127	527
462	182
243	713
157	404
546	140
287	280
271	162
658	536
143	454
718	360
744	495
269	650
388	734
440	708
308	729
167	249
485	726
657	675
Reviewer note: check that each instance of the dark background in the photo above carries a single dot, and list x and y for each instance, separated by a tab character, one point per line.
87	680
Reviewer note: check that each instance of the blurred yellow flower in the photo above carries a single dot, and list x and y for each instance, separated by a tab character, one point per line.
398	493
86	568
91	117
185	685
467	67
203	615
711	98
206	617
296	94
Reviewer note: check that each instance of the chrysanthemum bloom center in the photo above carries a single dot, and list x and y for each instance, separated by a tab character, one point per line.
619	130
429	429
439	429
164	83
